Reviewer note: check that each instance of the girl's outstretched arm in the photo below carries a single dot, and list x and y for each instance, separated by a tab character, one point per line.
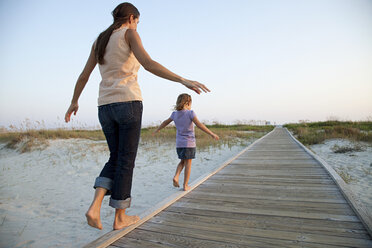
163	125
80	84
135	43
204	128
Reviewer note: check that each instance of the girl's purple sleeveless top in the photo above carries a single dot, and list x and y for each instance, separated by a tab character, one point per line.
185	128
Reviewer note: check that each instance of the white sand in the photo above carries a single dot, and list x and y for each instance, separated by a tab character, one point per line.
45	194
357	166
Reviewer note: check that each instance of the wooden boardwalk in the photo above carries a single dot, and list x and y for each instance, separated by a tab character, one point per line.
273	195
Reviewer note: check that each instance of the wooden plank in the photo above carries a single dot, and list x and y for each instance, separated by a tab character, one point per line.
273	197
247	235
258	232
277	163
277	160
245	185
257	156
277	203
270	212
261	222
274	166
298	176
273	170
269	149
283	192
272	182
283	172
234	239
171	236
276	170
269	180
272	220
128	242
177	240
296	151
283	157
282	196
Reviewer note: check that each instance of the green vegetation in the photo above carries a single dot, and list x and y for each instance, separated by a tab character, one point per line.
29	139
345	176
345	149
229	135
316	132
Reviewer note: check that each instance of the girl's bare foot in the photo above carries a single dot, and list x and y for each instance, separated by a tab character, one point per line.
124	221
186	187
175	183
93	219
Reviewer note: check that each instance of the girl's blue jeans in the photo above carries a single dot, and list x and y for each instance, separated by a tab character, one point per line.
121	124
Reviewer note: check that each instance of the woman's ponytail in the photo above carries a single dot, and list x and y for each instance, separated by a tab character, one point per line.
121	15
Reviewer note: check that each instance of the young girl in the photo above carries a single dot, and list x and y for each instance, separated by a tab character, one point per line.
184	118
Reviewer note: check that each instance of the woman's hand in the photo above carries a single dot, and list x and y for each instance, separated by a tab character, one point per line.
215	136
72	109
195	86
80	84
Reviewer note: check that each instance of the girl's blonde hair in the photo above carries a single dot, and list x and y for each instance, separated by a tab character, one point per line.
182	100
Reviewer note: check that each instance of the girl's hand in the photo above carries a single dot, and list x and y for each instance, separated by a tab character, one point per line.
72	109
155	132
195	86
215	136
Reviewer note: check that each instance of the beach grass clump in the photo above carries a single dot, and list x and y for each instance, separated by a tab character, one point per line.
309	136
345	176
25	141
367	171
347	149
317	132
27	144
37	139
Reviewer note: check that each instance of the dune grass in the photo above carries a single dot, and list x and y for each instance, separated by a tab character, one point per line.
317	132
25	141
229	135
346	149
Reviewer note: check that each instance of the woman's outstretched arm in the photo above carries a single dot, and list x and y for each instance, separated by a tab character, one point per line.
135	43
80	84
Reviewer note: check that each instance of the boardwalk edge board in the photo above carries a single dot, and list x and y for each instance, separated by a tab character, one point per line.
110	237
354	201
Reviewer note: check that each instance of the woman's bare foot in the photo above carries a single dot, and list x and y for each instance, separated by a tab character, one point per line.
175	183
93	219
124	221
186	187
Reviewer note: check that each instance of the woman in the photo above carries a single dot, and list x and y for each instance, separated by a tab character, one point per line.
119	52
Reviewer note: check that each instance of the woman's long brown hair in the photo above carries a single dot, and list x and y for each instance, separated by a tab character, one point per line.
121	15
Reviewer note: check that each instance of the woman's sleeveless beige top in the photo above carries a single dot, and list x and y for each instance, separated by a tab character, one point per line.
119	72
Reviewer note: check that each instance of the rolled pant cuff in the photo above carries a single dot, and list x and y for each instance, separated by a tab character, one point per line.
104	182
120	204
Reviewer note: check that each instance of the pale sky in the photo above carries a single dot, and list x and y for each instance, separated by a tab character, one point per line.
280	60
